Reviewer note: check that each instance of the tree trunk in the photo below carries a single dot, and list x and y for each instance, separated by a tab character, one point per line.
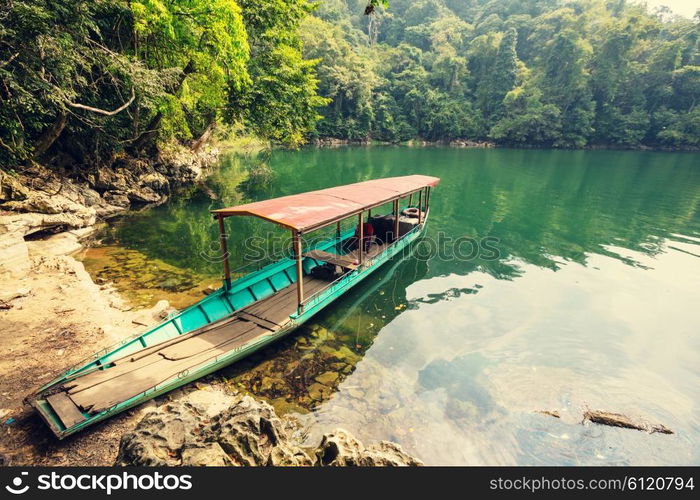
49	136
154	124
197	144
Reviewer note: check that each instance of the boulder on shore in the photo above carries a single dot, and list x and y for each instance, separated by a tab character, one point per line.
213	428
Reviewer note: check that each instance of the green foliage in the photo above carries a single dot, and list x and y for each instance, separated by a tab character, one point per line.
550	72
82	81
204	41
526	119
57	52
280	101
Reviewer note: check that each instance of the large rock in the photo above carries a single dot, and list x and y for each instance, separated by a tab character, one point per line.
251	433
55	245
340	448
213	428
14	255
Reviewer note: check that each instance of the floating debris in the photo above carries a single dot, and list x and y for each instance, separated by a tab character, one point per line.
619	420
551	413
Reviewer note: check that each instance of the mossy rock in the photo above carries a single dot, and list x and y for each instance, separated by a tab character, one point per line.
327	378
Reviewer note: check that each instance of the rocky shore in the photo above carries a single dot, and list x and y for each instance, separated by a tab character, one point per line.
39	200
417	142
211	427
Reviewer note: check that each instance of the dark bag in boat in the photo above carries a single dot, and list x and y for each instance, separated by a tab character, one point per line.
325	272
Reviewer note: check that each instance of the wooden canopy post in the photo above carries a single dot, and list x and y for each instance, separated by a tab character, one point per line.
410	199
420	206
296	240
224	252
427	198
396	220
337	236
361	242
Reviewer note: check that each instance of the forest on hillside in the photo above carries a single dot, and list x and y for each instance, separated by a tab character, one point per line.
86	81
527	72
82	81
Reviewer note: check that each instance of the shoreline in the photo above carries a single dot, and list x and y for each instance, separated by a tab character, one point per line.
332	142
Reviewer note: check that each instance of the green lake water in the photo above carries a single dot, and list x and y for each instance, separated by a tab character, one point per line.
591	300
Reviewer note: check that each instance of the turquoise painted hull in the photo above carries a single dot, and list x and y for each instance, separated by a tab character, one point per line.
219	305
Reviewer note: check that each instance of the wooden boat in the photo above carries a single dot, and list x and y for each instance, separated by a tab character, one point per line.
248	313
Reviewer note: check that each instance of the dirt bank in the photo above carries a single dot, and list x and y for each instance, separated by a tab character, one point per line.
51	317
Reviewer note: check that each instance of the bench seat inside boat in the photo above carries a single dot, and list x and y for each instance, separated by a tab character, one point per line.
135	373
349	260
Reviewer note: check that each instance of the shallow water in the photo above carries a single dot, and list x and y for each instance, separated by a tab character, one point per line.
591	301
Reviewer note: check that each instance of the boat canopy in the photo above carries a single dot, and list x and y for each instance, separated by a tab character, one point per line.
307	211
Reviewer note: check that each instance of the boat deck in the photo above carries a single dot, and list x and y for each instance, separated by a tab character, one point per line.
101	389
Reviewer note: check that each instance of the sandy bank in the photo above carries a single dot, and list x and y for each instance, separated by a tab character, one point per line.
53	316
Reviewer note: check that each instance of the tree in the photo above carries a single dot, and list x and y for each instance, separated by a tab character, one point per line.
280	100
204	44
526	119
60	72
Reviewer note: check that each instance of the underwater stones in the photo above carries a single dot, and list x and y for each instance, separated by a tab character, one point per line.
347	355
283	407
268	384
321	333
340	448
327	378
170	283
319	392
461	410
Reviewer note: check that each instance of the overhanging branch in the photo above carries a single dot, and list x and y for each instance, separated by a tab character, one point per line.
102	111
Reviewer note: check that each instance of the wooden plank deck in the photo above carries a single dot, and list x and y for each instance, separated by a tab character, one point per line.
132	375
65	408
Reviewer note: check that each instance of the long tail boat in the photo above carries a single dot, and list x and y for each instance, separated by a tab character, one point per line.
250	312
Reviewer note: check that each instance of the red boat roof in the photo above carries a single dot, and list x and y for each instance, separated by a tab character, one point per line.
305	211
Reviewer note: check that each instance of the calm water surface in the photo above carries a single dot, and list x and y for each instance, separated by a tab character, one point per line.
593	302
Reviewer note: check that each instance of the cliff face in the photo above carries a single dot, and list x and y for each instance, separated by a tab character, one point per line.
39	199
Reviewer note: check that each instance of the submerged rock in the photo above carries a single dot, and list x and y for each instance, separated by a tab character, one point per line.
619	420
213	428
